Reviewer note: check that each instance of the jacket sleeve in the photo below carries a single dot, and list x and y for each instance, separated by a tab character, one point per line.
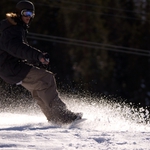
14	44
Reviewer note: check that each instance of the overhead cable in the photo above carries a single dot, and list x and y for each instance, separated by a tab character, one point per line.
89	44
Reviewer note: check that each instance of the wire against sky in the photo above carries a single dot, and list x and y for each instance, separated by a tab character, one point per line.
97	6
103	7
58	5
89	44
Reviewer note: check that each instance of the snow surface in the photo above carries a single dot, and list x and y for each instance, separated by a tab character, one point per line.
109	126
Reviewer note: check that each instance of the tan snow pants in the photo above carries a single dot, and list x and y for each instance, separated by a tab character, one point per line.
42	85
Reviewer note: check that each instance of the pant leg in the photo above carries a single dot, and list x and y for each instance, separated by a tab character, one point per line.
43	88
42	106
43	82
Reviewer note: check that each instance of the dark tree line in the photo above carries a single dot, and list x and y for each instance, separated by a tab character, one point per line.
110	68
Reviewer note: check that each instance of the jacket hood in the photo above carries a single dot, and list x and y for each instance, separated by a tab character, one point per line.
9	21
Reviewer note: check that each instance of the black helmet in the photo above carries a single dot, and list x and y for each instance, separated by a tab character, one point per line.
24	4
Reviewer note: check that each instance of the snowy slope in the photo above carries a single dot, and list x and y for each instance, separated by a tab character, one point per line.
108	127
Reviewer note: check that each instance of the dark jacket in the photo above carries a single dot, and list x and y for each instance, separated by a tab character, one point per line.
14	50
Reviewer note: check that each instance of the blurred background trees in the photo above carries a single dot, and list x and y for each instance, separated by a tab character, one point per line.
97	46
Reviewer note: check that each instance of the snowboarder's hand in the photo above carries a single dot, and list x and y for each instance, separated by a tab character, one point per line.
44	58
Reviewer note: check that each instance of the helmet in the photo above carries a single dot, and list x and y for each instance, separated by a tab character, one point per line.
24	4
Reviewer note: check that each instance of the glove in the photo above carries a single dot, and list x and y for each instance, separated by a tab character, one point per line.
44	58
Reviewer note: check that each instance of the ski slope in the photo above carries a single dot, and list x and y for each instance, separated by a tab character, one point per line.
109	126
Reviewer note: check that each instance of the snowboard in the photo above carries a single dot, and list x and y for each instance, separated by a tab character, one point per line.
77	123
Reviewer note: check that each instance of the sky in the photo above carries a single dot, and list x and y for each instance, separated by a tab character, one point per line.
108	126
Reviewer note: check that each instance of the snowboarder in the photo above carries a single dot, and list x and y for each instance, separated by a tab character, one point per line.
15	50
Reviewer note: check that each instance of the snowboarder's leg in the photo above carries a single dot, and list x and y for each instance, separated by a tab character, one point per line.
42	106
42	85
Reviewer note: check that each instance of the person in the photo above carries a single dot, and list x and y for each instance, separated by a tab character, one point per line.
14	69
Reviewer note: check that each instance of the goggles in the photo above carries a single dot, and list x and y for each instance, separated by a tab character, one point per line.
28	13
